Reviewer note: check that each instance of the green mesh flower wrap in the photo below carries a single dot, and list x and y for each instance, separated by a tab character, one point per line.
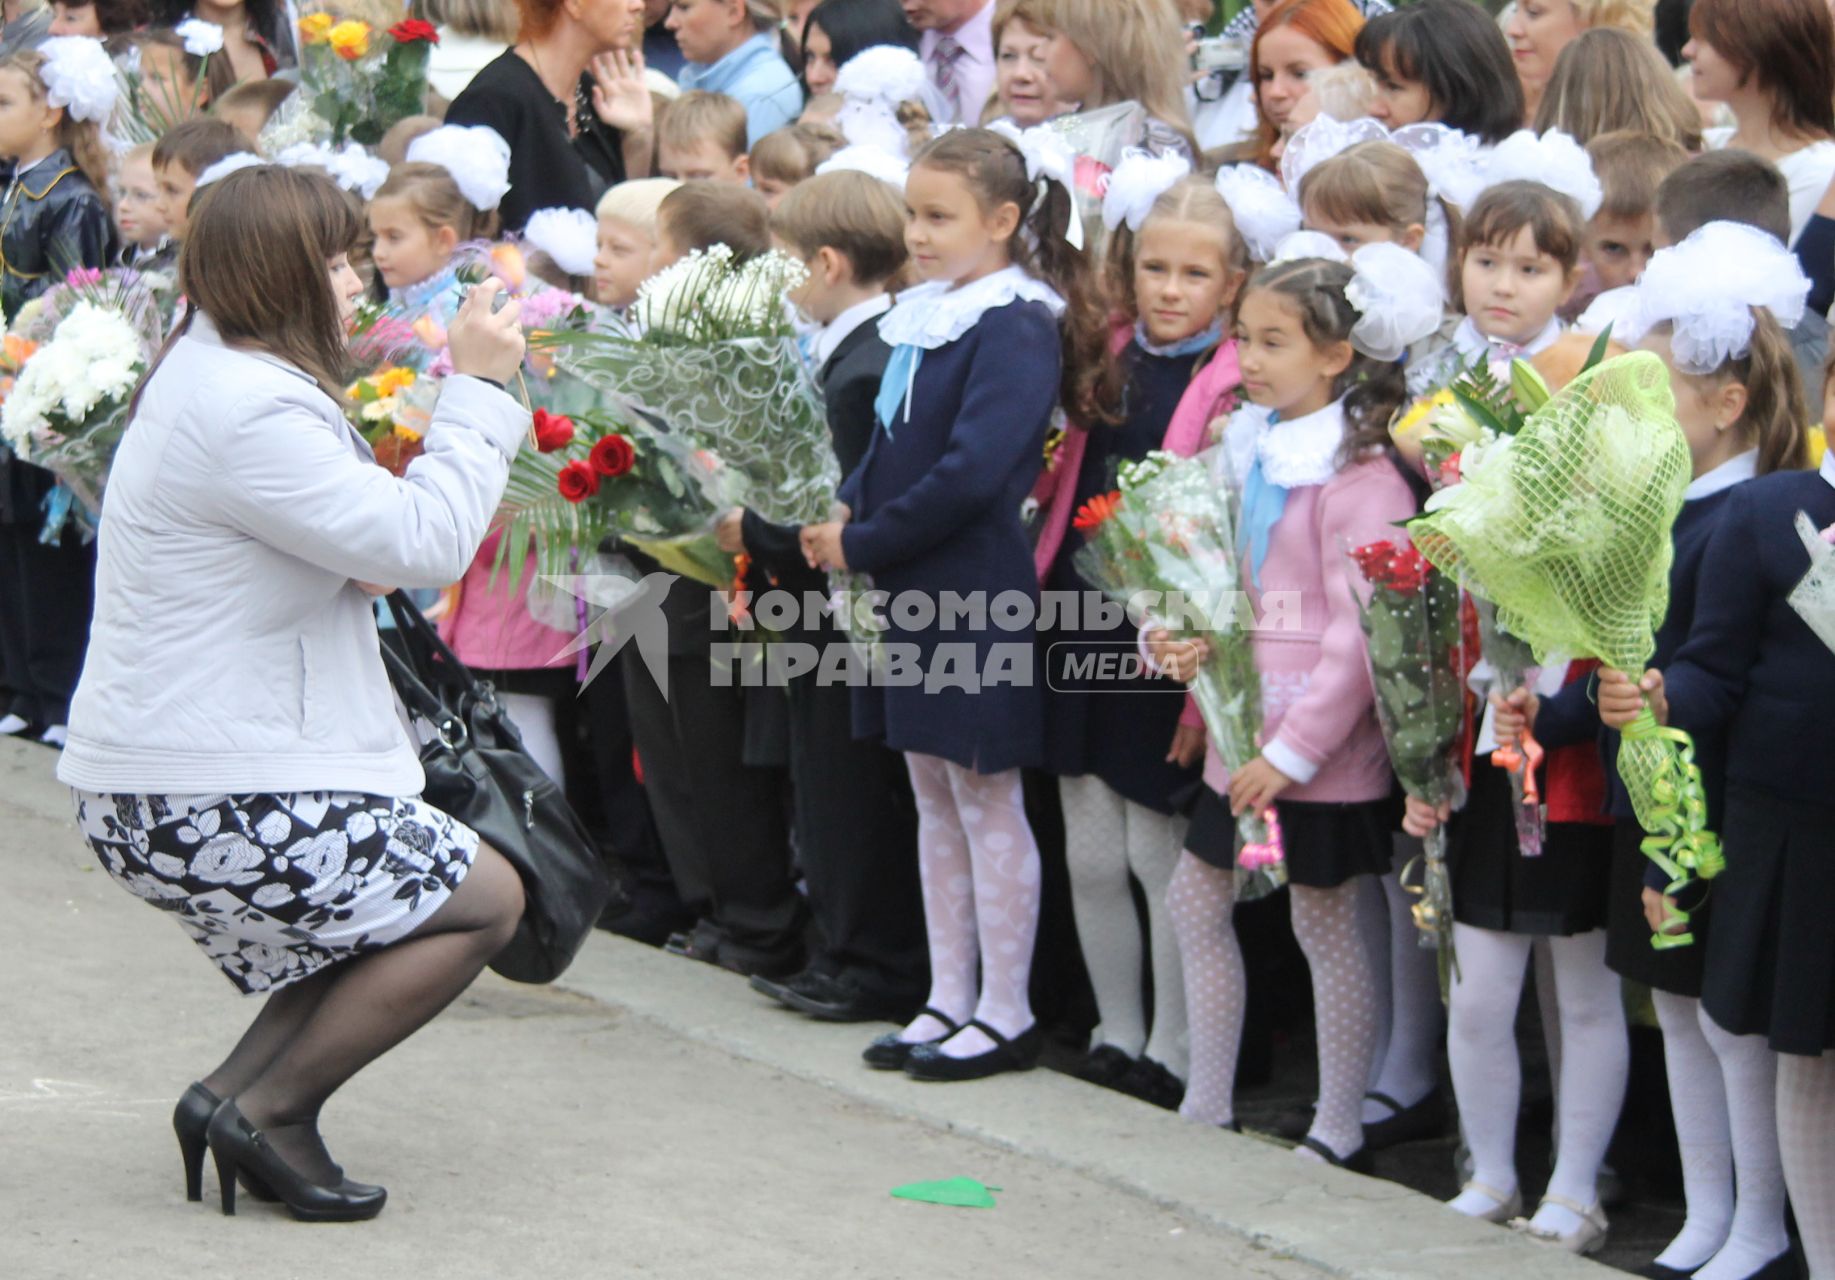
1565	527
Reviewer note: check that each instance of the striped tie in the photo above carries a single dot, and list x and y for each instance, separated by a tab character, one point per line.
944	57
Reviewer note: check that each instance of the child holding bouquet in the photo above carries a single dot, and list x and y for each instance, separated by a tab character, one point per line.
1738	404
934	508
55	218
1123	762
1323	377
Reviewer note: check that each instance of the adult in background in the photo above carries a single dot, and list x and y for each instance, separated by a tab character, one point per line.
1538	30
99	18
267	44
1442	62
268	800
957	45
1295	39
472	32
731	47
1610	81
1773	62
661	52
569	97
836	30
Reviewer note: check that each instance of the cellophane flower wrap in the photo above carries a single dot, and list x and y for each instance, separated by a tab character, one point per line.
360	80
710	369
90	339
1415	641
1565	527
1163	544
1814	595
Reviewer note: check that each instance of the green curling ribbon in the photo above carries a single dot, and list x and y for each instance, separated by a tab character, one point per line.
1674	814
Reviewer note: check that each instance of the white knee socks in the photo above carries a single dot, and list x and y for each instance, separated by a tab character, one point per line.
1325	922
1750	1070
1405	1065
1806	1100
1698	1101
1199	901
980	870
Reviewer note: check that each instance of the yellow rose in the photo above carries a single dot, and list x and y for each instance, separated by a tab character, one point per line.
314	27
405	432
389	381
349	39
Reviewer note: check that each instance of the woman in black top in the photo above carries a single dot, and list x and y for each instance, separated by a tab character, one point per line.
569	97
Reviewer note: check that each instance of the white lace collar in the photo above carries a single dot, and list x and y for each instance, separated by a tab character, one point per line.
1734	470
1293	453
1827	469
1473	345
935	314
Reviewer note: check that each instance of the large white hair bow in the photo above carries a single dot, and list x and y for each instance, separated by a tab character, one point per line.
1137	183
1264	213
1705	288
1555	160
1399	297
231	163
79	77
352	168
1049	158
476	156
872	84
1319	140
570	238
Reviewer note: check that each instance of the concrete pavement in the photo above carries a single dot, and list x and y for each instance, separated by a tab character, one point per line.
645	1117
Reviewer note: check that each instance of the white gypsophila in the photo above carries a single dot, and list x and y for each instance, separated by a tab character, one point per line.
94	356
669	303
751	299
201	38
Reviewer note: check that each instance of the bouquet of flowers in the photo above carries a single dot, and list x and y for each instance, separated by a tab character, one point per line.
1814	597
1411	618
1565	528
1168	530
83	348
392	408
712	372
359	82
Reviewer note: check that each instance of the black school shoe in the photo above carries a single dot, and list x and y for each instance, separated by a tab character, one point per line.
1021	1053
1359	1161
1425	1119
780	989
889	1053
1105	1065
1154	1082
844	998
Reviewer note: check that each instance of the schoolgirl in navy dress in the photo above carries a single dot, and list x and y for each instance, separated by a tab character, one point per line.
977	369
1753	672
1127	764
53	218
1739	402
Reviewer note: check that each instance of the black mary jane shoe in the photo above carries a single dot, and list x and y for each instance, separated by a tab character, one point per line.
889	1053
1657	1271
240	1148
1153	1082
1359	1161
1425	1119
1105	1065
1021	1053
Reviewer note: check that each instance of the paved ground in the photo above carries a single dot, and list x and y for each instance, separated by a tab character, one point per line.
649	1117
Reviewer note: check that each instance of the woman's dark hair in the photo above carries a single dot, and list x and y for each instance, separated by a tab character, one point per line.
1455	50
116	17
1787	45
1372	390
265	16
267	233
853	25
995	171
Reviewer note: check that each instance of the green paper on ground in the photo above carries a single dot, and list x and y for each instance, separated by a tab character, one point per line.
963	1193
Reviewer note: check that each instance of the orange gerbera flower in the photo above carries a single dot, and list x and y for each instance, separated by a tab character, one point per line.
1098	509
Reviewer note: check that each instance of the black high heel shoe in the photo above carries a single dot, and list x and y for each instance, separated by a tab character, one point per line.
240	1148
190	1119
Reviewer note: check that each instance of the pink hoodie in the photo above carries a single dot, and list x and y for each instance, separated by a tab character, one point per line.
1319	718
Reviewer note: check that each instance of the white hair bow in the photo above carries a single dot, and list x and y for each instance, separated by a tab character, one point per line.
1265	215
476	156
79	77
1555	160
227	165
1137	182
1399	297
1049	158
568	236
1319	140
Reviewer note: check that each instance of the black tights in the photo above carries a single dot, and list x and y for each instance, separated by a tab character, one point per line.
314	1035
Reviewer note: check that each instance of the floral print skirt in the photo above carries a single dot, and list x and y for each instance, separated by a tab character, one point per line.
274	887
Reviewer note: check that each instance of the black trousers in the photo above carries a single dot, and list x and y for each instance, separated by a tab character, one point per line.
721	819
856	834
47	594
619	803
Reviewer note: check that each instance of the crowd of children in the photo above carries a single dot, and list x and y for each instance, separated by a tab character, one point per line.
1261	246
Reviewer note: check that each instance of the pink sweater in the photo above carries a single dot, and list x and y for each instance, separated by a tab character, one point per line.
1319	715
491	629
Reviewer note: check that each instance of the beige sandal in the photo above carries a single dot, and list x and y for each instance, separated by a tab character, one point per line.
1505	1207
1588	1238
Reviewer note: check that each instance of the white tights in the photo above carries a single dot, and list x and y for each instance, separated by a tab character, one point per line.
1411	1021
1806	1100
1325	922
979	866
1487	1074
1106	838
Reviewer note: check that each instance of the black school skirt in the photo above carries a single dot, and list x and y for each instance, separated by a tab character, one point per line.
1561	893
1325	844
1628	951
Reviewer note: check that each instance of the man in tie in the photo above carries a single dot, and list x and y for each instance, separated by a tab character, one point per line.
958	51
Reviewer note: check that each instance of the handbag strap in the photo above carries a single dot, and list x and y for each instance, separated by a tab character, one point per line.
433	660
423	701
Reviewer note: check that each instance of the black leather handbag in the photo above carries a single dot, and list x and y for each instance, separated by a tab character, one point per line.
478	772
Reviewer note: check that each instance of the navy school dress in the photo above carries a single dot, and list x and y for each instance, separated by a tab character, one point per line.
1752	666
936	509
1629	954
1118	730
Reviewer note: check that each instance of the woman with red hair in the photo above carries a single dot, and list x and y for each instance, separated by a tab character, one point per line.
1295	39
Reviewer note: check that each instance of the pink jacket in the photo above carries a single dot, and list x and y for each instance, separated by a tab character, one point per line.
1211	395
1319	719
491	629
